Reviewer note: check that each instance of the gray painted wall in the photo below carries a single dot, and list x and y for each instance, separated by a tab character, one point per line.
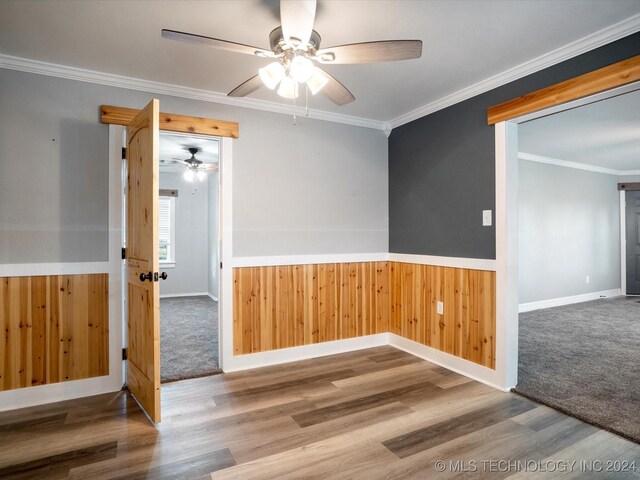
191	273
54	190
317	187
442	166
568	228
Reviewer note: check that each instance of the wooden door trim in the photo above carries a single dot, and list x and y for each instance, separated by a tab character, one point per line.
172	122
629	186
603	79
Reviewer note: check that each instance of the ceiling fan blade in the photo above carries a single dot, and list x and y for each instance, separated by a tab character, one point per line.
246	88
371	52
336	91
179	160
296	18
209	167
215	43
172	162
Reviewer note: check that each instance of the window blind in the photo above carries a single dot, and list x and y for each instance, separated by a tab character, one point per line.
164	220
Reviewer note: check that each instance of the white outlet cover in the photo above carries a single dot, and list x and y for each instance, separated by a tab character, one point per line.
440	308
486	218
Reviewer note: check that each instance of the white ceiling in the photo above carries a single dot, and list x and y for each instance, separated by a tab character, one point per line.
605	134
176	146
465	41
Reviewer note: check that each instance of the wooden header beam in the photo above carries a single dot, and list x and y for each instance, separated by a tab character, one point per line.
172	122
603	79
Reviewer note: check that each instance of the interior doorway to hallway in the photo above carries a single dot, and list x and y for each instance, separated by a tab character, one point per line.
188	219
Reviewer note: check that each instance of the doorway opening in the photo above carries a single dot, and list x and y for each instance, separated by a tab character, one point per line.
576	327
188	225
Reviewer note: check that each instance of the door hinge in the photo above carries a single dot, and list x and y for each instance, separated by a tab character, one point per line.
124	253
124	354
124	153
220	265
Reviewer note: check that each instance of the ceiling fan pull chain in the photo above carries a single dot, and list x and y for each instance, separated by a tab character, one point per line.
295	94
306	100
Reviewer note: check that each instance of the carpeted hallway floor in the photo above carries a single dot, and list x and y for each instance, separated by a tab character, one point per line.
188	338
584	360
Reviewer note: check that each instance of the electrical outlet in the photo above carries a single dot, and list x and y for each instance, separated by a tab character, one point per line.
440	308
587	279
486	218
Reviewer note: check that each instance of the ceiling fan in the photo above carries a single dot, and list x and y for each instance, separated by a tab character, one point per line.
196	169
295	46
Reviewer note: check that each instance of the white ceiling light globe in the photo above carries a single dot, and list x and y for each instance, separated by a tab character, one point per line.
272	74
188	175
288	88
301	69
317	80
202	175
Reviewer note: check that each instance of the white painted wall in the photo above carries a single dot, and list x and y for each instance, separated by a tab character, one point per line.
568	229
191	272
629	178
213	219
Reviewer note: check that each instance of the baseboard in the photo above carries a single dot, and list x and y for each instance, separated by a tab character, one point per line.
305	352
212	297
178	295
57	392
558	302
450	362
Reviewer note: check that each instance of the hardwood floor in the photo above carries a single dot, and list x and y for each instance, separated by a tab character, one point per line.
377	413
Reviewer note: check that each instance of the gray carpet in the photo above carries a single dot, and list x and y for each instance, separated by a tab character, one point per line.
188	338
584	360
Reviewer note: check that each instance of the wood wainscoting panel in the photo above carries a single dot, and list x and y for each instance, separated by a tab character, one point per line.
55	328
288	306
467	326
293	305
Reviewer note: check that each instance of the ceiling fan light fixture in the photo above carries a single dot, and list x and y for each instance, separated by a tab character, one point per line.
288	88
301	68
202	174
272	74
317	81
189	175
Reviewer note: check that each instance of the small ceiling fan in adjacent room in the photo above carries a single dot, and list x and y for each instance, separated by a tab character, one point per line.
295	49
196	170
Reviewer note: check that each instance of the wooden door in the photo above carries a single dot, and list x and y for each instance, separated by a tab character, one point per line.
143	306
633	242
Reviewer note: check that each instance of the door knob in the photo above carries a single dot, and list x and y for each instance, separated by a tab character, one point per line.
144	277
163	275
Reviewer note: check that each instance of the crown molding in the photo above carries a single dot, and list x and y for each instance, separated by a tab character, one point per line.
601	37
579	166
91	76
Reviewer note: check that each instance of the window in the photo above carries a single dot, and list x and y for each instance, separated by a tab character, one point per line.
166	230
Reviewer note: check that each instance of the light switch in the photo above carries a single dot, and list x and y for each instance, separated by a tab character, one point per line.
486	218
440	308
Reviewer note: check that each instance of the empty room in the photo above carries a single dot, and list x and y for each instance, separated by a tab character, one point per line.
321	239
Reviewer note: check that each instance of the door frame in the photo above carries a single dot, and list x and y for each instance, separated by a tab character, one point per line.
613	80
